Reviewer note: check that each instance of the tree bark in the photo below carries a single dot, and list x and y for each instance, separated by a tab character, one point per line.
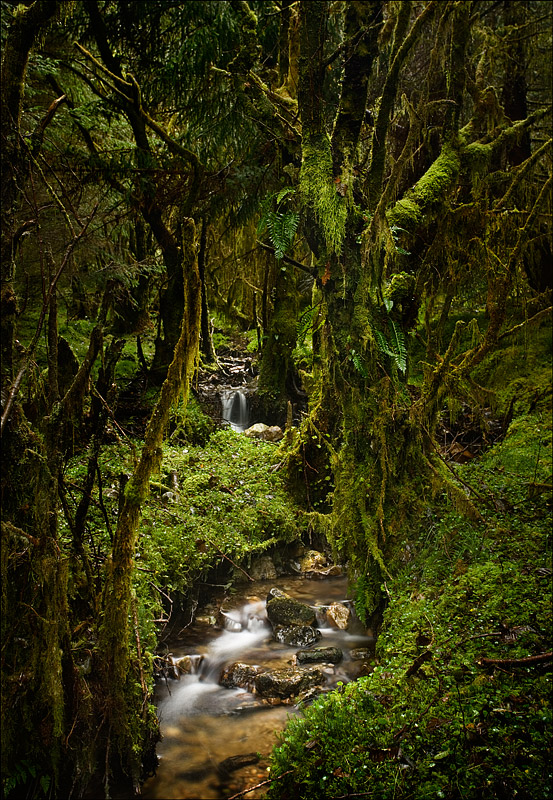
114	631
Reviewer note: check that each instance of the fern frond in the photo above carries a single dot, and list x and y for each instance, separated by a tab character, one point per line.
395	348
398	346
284	193
359	365
281	229
304	323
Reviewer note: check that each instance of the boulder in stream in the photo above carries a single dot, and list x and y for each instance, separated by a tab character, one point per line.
319	655
296	635
338	615
184	665
361	654
287	611
275	592
284	683
313	559
321	574
262	569
239	676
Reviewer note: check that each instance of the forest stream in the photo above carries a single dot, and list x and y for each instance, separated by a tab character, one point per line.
216	741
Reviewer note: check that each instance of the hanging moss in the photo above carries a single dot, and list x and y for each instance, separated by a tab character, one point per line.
320	191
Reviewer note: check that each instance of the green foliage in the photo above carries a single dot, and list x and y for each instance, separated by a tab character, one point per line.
433	719
320	193
189	424
394	347
26	778
305	323
281	226
228	503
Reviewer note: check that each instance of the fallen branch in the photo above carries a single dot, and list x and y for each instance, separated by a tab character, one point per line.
258	785
518	662
286	258
212	543
418	662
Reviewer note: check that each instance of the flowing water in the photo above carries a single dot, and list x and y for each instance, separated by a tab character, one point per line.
203	724
235	409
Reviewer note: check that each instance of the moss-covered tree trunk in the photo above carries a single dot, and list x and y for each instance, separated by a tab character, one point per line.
362	404
27	24
276	368
206	340
119	681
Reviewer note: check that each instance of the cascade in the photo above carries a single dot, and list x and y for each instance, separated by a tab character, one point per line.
235	409
206	726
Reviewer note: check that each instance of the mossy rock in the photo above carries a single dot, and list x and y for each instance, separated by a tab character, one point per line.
287	611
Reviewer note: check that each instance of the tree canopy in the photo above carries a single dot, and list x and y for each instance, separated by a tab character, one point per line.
362	187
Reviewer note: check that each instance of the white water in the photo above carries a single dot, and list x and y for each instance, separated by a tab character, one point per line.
204	723
235	409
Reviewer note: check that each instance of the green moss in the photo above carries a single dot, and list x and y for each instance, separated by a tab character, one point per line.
430	190
320	193
432	719
406	214
399	287
434	184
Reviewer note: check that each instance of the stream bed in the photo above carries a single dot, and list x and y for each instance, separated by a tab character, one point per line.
217	741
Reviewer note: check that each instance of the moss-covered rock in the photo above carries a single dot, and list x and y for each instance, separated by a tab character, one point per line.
287	611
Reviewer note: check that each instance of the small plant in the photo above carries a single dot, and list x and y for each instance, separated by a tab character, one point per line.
394	346
280	225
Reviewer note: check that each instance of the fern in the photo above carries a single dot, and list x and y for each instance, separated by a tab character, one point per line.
281	229
359	365
281	225
398	346
304	323
395	348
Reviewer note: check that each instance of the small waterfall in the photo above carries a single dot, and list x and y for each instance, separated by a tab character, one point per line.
235	409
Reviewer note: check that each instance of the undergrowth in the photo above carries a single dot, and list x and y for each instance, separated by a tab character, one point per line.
228	504
434	718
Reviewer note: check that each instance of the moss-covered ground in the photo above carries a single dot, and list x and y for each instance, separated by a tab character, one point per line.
434	719
229	505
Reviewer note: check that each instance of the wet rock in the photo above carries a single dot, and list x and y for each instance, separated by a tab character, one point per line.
287	611
319	655
285	683
297	635
313	559
169	497
274	592
232	763
320	574
360	653
338	615
184	665
307	697
267	433
262	569
206	619
239	676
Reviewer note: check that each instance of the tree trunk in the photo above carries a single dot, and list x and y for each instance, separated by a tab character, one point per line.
276	368
206	341
114	632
